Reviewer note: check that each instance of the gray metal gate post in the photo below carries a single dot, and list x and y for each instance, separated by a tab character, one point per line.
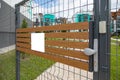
17	24
102	13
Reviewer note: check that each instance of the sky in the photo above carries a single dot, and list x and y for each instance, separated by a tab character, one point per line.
49	2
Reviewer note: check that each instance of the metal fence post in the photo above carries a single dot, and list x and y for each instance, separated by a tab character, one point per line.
101	11
17	24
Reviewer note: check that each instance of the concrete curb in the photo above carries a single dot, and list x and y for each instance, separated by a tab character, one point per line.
115	39
6	49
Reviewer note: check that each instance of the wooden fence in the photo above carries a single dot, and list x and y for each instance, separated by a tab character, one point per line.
63	43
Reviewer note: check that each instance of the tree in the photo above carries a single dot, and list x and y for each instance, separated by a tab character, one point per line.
24	24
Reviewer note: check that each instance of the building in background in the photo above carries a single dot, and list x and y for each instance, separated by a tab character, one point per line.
7	25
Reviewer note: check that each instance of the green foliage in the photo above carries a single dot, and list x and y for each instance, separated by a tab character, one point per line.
24	24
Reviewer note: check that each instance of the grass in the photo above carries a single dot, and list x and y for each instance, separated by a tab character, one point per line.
7	66
115	62
30	68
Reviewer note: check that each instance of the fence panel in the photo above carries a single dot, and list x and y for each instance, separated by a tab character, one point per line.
66	28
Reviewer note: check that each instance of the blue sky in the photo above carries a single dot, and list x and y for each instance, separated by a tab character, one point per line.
50	3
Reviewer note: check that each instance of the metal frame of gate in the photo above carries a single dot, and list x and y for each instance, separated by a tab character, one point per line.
101	14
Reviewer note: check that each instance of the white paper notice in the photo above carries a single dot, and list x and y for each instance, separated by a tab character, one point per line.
38	42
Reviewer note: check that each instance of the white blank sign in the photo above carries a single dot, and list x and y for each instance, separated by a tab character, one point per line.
38	42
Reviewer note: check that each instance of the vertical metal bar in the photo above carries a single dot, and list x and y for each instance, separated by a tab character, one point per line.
104	42
17	24
91	43
96	24
102	13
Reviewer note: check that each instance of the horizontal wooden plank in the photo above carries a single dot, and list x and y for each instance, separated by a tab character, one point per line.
71	62
68	44
72	26
79	45
27	40
71	53
27	35
24	45
72	35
